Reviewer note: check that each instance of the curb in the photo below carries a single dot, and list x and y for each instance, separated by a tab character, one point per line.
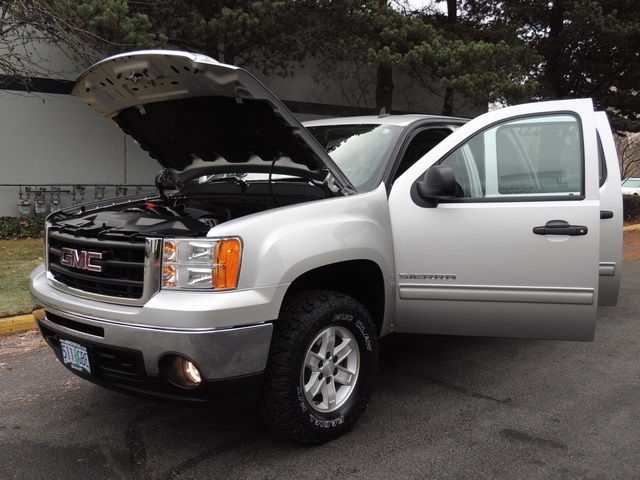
19	324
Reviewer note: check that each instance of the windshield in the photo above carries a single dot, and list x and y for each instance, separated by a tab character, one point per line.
358	150
631	183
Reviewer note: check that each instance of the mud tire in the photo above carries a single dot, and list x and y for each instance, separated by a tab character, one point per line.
321	369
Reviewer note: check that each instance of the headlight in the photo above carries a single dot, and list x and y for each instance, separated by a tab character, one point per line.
201	263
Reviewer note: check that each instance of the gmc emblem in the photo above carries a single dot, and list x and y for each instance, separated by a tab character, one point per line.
70	257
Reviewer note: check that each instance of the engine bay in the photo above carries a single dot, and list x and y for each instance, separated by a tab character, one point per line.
155	217
188	213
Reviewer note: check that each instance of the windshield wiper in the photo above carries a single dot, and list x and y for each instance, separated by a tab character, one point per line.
237	180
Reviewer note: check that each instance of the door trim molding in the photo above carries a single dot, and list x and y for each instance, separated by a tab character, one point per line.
503	294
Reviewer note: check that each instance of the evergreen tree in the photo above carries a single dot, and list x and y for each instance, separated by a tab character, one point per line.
510	51
588	48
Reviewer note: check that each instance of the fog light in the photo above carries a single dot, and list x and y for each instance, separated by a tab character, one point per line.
180	371
191	372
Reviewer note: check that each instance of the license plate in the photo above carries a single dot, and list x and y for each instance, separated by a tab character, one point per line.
75	356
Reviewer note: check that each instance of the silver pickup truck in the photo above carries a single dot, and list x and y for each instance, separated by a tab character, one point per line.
275	255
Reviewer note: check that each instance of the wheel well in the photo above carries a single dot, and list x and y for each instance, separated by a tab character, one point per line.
360	279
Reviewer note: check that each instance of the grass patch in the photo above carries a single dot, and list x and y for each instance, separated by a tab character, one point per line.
18	258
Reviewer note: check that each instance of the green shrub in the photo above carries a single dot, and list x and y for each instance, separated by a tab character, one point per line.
14	227
631	207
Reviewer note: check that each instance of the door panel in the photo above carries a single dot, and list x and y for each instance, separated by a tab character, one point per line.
488	262
611	217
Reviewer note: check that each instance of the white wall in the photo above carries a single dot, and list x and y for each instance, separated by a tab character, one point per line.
57	139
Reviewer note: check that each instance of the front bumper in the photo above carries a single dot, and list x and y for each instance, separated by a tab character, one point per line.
129	356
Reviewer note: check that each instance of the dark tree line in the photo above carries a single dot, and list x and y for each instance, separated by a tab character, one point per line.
506	51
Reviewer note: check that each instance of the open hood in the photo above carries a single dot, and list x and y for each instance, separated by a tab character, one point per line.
197	117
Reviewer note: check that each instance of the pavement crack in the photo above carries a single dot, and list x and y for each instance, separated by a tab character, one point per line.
193	462
525	437
135	443
468	393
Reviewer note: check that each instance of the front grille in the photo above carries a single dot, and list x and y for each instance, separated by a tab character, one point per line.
121	265
73	325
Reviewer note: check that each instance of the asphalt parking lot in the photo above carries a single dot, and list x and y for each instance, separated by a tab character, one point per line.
444	407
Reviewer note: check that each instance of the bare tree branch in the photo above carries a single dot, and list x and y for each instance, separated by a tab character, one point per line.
628	146
34	31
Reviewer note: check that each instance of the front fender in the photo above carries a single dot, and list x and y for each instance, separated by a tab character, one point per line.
281	244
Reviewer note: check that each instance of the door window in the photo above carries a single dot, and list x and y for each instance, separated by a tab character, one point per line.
532	156
421	143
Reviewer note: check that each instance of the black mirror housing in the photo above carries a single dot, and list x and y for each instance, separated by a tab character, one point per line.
438	182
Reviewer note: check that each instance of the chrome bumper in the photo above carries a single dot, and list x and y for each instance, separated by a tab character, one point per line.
219	354
225	336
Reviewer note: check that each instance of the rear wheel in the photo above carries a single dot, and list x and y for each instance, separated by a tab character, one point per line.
321	368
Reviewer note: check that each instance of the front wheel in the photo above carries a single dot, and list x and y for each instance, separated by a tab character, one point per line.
321	368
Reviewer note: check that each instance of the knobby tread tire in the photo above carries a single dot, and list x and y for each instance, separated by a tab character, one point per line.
302	317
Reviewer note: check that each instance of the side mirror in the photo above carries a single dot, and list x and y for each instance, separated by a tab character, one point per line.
438	182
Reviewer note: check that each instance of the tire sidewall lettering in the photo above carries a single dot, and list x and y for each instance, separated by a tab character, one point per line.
301	401
321	423
347	317
343	317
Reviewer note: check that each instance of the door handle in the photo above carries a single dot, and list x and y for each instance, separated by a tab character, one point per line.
560	227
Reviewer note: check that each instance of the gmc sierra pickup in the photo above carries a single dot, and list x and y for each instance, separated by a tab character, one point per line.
275	255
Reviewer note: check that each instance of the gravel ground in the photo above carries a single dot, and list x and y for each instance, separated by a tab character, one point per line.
632	244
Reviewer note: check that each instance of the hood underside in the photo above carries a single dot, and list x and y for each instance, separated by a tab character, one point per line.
197	117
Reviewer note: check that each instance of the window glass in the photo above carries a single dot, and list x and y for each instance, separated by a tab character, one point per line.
602	163
421	143
538	156
631	183
358	150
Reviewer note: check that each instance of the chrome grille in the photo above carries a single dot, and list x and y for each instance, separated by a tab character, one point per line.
122	265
